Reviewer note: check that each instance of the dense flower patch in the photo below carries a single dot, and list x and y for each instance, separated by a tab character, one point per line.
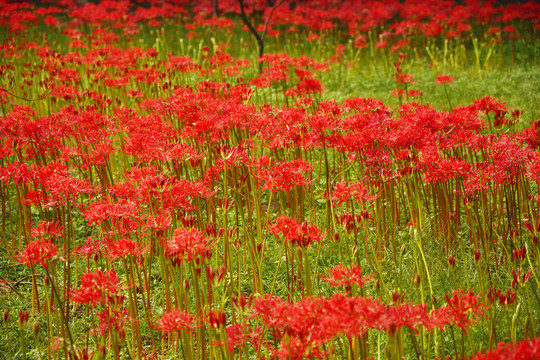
187	197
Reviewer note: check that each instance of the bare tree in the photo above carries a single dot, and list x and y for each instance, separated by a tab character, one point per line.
273	5
215	4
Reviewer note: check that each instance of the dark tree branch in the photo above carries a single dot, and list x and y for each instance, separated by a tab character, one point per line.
274	7
8	91
259	37
215	4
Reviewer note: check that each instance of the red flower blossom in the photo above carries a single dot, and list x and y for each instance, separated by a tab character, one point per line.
444	79
123	247
309	86
176	320
109	319
464	309
95	286
37	252
341	276
283	176
295	232
47	228
240	334
523	350
344	190
188	245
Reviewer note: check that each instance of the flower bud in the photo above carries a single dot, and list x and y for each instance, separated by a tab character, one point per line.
6	316
36	328
23	316
210	273
102	351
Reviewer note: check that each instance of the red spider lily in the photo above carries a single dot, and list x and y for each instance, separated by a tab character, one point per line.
216	319
109	319
404	78
488	104
123	247
283	176
188	245
37	252
439	169
444	79
464	309
309	86
312	322
522	350
92	248
341	276
241	334
295	232
103	210
95	287
298	349
518	279
345	190
176	320
47	228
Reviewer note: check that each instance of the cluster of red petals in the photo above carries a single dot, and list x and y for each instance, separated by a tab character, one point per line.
464	308
117	248
345	190
444	79
342	276
111	319
282	176
188	245
240	335
312	322
296	232
522	350
176	320
305	326
37	252
47	228
96	287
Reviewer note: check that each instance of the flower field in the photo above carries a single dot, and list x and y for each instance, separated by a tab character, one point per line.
286	179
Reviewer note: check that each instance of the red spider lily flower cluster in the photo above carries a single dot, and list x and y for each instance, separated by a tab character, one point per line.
137	147
444	79
37	252
47	228
117	248
96	287
344	190
342	276
188	245
293	231
240	335
310	323
112	319
464	308
522	350
282	176
176	320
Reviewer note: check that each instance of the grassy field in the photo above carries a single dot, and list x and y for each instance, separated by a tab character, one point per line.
368	188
